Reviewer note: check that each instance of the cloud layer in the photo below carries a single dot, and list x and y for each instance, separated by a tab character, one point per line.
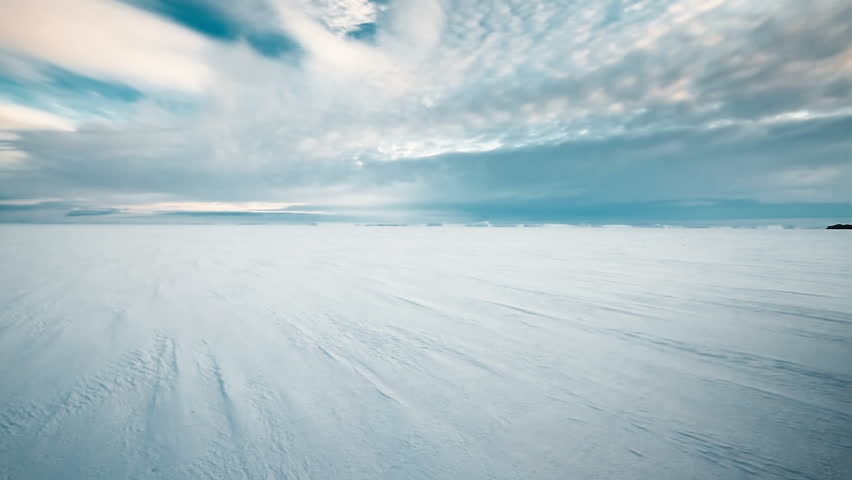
461	109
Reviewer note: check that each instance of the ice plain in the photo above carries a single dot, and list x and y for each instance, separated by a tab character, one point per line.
332	352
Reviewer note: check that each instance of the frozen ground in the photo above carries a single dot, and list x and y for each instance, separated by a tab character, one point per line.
334	352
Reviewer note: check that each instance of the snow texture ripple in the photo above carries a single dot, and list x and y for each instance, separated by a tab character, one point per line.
331	352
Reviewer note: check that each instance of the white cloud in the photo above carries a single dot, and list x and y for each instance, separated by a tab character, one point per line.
342	16
17	117
252	207
6	136
107	39
11	158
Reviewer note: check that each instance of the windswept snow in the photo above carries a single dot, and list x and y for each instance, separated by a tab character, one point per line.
332	352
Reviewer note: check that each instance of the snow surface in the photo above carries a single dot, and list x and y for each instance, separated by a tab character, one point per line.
335	352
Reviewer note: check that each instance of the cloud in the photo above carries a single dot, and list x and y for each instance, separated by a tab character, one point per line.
343	16
17	117
212	207
103	38
447	103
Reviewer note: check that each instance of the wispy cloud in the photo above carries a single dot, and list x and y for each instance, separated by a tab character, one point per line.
107	39
18	117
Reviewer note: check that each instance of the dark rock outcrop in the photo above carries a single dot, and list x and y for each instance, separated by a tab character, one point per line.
840	226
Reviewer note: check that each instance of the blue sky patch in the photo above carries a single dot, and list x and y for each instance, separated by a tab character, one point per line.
364	31
199	15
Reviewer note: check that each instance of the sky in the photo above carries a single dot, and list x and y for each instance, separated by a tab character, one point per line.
560	111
